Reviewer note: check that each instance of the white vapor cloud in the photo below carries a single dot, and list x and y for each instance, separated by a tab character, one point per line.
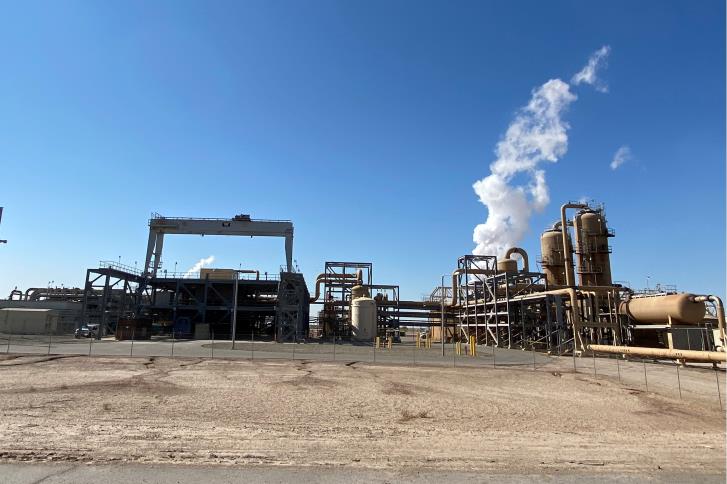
204	262
589	73
516	186
623	154
537	134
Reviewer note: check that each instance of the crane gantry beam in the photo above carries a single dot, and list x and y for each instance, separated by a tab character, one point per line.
240	225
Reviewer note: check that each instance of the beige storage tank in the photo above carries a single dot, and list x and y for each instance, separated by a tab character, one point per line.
507	265
359	291
657	309
593	258
552	256
363	319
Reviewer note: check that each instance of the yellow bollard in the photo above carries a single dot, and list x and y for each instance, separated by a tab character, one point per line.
389	341
419	341
378	342
429	341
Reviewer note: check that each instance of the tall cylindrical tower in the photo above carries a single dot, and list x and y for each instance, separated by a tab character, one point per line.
593	251
553	258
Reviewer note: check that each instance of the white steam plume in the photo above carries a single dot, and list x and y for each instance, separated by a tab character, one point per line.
589	74
623	154
204	262
537	134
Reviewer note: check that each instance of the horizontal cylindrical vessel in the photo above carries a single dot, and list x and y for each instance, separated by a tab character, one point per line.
363	318
658	309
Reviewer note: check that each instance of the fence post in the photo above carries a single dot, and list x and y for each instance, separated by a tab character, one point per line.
212	346
375	343
454	352
532	350
252	344
719	391
172	343
494	358
90	344
50	339
646	381
679	381
618	368
133	335
334	346
294	344
595	373
414	351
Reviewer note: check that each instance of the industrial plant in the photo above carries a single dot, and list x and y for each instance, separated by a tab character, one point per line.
567	304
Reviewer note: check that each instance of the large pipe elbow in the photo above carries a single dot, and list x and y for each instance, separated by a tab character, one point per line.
523	254
719	307
324	278
569	275
455	281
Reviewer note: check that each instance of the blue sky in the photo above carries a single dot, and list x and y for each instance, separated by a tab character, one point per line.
366	123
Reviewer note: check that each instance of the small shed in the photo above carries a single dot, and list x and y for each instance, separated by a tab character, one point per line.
28	321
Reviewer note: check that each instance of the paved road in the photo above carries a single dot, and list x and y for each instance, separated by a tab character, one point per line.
27	473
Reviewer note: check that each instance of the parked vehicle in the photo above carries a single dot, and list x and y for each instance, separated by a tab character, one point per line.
86	331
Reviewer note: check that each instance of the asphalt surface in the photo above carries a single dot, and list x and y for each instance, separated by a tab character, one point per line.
92	474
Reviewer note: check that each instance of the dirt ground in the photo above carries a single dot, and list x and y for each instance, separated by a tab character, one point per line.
302	413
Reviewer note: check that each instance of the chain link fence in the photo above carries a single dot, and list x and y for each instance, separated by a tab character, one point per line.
668	378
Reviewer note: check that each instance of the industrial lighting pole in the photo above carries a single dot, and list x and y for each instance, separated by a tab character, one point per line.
441	319
1	217
234	309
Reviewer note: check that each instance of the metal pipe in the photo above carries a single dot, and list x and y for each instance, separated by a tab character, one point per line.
712	356
577	247
249	271
720	314
441	322
567	249
324	278
575	314
234	305
523	254
455	281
